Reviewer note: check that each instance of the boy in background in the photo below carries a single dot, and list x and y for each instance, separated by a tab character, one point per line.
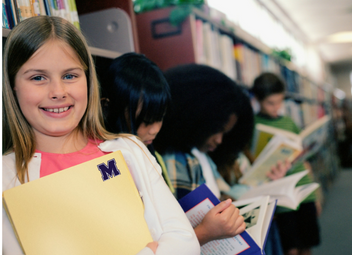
299	230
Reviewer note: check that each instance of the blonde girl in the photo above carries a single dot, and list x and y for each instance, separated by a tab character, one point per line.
52	120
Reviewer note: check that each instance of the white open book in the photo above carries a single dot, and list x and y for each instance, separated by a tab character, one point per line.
284	190
257	213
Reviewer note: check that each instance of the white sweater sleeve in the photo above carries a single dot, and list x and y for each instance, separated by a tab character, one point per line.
166	220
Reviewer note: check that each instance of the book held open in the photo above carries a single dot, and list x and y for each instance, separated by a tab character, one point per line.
92	208
271	145
284	190
258	213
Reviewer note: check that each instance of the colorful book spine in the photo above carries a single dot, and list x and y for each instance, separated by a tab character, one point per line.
35	7
67	12
10	13
53	8
47	7
42	7
23	9
74	13
5	23
61	9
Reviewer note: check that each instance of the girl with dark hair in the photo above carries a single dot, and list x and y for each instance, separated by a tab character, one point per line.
202	111
136	97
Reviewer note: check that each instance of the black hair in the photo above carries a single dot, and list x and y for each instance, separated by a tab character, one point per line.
266	85
239	137
203	99
132	79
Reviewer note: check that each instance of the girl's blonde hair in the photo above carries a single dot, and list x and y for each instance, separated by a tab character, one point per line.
23	41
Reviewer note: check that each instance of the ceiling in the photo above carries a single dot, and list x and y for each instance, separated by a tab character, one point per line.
313	21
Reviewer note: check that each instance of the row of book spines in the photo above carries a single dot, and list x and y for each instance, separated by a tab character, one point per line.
234	59
15	11
303	114
247	62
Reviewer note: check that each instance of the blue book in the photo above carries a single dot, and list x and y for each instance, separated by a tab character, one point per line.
11	19
258	213
5	23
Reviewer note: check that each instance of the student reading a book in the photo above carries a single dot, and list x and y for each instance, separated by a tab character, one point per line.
299	229
136	96
202	110
231	162
53	120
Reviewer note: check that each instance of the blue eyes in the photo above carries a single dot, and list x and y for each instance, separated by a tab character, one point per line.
38	78
69	77
65	77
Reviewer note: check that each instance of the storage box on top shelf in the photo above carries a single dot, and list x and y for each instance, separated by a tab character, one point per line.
90	6
163	43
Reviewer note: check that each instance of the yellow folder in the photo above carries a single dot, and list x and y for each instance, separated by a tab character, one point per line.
92	208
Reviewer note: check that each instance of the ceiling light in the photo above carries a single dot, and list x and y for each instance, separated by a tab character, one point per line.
341	37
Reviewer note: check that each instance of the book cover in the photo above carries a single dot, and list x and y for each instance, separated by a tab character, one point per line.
91	208
278	149
196	204
314	132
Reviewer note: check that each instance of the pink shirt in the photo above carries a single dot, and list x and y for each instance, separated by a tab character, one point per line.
53	162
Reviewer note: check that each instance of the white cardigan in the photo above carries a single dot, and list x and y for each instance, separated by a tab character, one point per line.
166	220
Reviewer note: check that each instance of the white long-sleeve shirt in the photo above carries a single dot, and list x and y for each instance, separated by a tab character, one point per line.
165	218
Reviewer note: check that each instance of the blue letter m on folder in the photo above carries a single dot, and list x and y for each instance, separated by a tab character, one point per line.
108	171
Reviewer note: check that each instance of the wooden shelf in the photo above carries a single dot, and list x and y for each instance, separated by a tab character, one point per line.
95	51
104	53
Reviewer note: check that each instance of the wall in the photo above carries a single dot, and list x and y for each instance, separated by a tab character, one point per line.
341	73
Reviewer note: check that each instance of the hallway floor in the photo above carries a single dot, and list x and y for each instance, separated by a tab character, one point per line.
336	218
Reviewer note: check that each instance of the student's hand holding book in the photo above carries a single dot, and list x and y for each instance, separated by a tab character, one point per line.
279	170
222	221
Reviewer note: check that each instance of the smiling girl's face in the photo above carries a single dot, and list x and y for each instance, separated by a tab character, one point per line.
51	89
